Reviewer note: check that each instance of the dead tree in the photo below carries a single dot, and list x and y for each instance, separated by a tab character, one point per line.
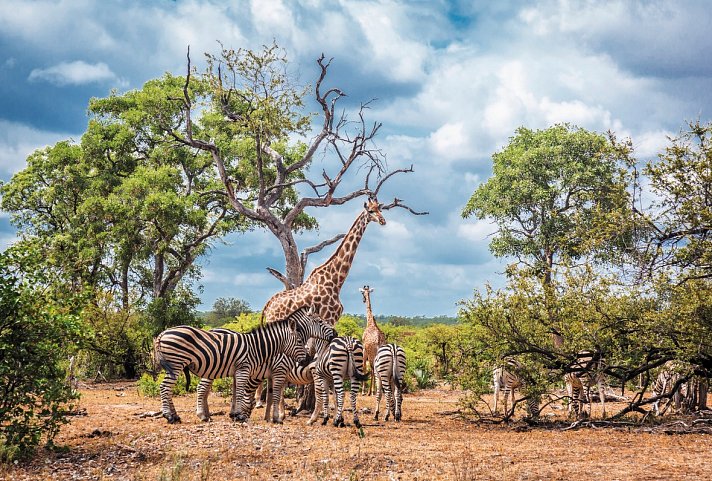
263	201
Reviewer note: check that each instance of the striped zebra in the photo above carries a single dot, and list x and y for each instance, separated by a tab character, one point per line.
343	360
586	371
218	353
670	373
507	378
296	375
275	366
389	366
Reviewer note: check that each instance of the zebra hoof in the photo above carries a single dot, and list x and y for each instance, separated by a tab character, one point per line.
173	419
325	420
375	418
293	412
397	418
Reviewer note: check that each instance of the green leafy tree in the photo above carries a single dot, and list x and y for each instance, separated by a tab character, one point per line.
556	195
36	335
681	179
226	309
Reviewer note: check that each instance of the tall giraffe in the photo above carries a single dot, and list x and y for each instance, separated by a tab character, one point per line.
373	338
321	289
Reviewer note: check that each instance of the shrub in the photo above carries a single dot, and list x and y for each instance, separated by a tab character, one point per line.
34	338
149	387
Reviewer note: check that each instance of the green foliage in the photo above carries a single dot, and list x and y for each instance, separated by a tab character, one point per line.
422	372
245	322
150	387
36	334
225	309
681	179
555	194
349	325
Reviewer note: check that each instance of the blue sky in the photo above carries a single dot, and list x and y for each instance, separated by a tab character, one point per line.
453	80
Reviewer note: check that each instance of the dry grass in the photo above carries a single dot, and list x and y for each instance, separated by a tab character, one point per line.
113	443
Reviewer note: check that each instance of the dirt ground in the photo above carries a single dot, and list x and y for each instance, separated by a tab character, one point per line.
116	441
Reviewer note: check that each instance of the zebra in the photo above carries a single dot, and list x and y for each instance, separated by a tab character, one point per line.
389	366
276	365
507	378
342	360
666	380
587	370
217	353
296	375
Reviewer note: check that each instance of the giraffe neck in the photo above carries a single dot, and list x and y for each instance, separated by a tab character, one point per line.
370	320
337	267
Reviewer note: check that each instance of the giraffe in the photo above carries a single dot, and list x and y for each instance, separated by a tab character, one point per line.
373	338
321	289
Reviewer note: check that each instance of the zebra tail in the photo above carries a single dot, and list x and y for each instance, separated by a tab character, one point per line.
356	372
396	372
159	360
186	371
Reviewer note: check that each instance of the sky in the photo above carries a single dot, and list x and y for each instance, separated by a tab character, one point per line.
452	81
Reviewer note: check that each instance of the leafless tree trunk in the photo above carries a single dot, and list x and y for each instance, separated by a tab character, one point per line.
275	175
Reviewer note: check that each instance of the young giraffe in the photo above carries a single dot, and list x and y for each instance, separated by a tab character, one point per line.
373	338
321	289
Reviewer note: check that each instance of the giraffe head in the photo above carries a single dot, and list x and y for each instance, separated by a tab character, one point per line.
365	290
373	211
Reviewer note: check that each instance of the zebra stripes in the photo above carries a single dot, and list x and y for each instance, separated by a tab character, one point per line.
275	365
665	382
221	353
343	360
389	368
508	379
587	370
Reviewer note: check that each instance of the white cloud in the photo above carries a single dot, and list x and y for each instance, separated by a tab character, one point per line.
74	73
477	231
18	141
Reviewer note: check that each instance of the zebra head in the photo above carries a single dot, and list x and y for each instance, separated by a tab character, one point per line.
309	325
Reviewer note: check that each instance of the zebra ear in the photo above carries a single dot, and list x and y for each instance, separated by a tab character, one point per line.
292	322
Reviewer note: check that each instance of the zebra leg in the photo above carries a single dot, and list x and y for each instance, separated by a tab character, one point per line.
379	395
326	386
242	396
318	400
389	400
355	385
398	394
602	395
203	391
167	407
269	400
339	395
278	380
258	396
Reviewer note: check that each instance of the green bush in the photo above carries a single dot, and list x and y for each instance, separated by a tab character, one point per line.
34	340
421	369
149	387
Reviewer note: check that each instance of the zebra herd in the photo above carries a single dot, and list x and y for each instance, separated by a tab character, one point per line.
276	351
588	371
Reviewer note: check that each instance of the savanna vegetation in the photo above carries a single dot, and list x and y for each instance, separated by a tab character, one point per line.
112	228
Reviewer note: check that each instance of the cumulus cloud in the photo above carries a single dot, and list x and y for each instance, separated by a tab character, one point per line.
74	73
18	141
